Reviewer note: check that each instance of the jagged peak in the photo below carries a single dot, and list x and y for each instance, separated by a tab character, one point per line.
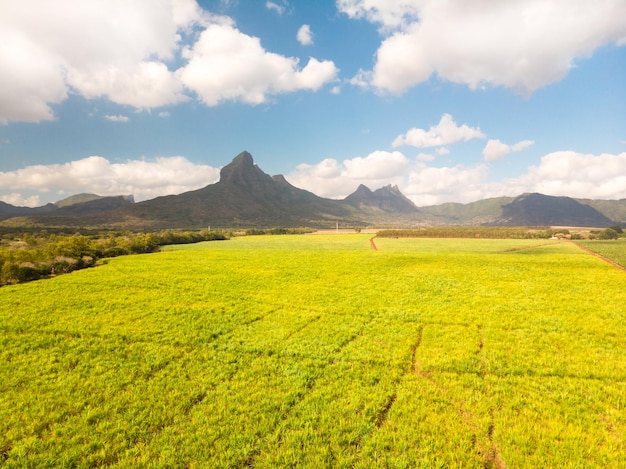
363	189
241	169
392	188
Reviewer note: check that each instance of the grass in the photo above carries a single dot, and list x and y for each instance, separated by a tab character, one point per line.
612	249
317	351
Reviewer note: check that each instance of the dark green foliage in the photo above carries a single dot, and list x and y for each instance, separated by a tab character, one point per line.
26	256
608	233
488	232
277	231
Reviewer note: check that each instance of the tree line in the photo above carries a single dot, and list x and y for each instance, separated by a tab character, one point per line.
26	256
500	232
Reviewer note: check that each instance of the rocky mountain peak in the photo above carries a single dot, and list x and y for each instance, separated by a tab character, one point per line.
242	170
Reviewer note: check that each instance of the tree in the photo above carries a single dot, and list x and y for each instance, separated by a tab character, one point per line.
608	233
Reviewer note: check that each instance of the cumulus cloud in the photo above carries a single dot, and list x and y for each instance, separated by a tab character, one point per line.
279	8
116	118
304	35
124	50
20	200
145	179
445	132
110	49
225	64
429	185
563	173
522	45
333	179
573	174
389	14
495	149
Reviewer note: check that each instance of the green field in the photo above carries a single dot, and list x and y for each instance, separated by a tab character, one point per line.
317	351
613	249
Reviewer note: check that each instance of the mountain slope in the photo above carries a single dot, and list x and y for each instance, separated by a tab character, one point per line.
544	210
244	196
481	212
613	209
9	211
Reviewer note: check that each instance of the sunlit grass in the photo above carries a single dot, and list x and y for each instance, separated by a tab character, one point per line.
317	351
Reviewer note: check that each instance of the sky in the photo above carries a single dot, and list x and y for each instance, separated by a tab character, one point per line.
452	101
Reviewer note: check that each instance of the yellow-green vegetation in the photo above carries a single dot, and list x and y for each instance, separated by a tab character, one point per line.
613	249
28	256
318	351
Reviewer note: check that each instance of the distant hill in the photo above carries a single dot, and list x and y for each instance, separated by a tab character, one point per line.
545	210
94	206
613	209
246	197
77	199
67	211
482	212
9	211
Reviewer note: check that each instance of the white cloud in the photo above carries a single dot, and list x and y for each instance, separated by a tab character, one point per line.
377	165
113	49
563	173
164	114
329	178
523	45
390	14
362	79
495	149
116	118
444	133
521	145
442	151
144	179
123	51
573	174
20	200
278	8
429	185
225	64
304	35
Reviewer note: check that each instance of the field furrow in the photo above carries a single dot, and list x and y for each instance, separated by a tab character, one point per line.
318	351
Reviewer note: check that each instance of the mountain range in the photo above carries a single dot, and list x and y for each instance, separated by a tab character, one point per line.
245	196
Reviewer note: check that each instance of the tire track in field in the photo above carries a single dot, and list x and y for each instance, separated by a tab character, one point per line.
416	345
250	459
483	442
493	457
382	414
526	248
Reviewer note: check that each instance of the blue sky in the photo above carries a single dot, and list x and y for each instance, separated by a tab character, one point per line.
452	101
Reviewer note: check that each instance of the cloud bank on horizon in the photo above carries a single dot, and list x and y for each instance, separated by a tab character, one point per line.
137	56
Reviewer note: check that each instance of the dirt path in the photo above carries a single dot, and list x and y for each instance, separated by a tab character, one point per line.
373	243
525	248
599	256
